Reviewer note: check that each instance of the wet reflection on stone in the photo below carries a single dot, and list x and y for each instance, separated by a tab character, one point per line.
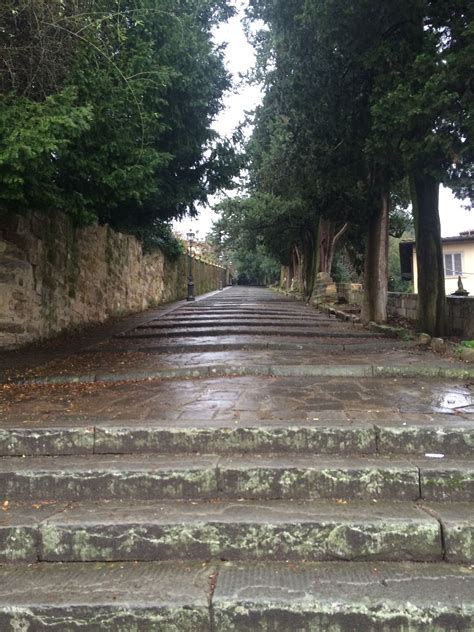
453	399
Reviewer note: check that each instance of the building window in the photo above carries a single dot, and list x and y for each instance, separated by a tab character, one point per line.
453	264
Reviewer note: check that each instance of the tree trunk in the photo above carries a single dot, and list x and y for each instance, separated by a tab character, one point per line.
332	249
429	254
374	307
310	262
326	236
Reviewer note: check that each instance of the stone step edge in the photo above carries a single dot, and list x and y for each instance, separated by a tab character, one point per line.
204	371
330	530
214	332
205	323
341	596
209	347
223	596
351	531
361	438
214	477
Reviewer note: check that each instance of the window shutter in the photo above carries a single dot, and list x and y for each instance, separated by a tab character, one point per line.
457	264
448	265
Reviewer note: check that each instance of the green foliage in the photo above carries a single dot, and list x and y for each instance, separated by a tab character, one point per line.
468	343
319	61
341	271
422	105
260	219
358	96
395	281
250	232
121	127
159	236
255	267
32	136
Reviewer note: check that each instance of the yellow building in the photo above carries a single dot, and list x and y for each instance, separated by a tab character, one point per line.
458	255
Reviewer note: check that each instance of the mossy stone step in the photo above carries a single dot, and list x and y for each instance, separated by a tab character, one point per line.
149	596
260	477
224	330
237	597
250	530
182	323
343	597
435	435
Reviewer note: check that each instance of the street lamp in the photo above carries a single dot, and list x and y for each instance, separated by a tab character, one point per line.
190	238
221	281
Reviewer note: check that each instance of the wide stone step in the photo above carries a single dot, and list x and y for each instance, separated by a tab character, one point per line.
338	596
146	597
194	346
238	318
244	322
249	530
261	477
200	309
209	332
439	435
237	597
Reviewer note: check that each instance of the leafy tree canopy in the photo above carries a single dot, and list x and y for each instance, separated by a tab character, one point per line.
106	108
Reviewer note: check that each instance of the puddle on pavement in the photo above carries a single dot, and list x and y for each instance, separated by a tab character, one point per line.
453	399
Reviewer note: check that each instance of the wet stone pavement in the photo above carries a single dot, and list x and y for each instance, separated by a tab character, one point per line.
242	462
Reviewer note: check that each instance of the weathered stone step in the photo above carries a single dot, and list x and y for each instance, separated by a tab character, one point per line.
355	597
437	435
149	596
242	317
248	369
250	530
237	597
209	332
457	525
241	323
197	346
261	477
258	310
210	438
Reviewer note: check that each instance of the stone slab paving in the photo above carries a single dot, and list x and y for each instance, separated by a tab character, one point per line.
236	399
117	362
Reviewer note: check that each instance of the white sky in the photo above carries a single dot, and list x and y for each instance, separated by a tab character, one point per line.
240	58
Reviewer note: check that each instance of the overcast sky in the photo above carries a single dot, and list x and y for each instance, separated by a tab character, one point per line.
239	58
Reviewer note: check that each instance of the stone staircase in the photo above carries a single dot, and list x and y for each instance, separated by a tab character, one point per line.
210	524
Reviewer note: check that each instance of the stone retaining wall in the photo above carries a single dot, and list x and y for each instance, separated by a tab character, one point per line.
402	304
54	277
350	292
460	316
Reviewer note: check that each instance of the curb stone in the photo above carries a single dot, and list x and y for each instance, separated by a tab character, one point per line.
357	371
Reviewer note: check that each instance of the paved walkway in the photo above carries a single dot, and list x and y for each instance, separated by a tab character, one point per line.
238	463
246	331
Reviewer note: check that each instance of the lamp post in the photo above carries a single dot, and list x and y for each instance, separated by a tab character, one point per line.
221	281
190	237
